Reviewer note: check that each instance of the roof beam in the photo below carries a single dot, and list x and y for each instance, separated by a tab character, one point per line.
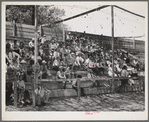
129	11
75	16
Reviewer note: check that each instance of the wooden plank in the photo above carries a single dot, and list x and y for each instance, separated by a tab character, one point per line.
78	90
9	26
25	35
15	93
25	26
52	85
87	91
9	29
26	30
9	33
47	30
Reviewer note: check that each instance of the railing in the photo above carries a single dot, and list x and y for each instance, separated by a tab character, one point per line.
89	86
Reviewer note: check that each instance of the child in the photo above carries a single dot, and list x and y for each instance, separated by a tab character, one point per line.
20	89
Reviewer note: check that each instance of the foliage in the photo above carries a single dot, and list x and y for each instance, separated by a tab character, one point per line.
20	13
24	14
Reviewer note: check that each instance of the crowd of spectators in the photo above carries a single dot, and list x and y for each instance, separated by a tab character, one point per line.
76	54
65	58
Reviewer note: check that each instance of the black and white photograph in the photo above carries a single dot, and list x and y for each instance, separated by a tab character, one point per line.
74	60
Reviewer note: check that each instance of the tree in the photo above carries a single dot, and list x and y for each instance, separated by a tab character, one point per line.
24	14
20	14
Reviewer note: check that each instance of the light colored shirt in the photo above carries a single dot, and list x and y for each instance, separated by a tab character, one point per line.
91	64
56	54
87	61
31	44
78	60
124	73
12	55
61	75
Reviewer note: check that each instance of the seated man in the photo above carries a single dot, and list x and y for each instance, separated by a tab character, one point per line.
14	59
22	49
56	64
53	44
110	72
68	72
31	44
61	75
16	47
93	67
117	69
56	54
42	95
43	70
124	81
70	59
78	62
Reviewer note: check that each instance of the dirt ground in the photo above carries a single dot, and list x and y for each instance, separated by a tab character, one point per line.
132	101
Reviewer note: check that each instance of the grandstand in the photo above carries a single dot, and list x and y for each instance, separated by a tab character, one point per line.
85	46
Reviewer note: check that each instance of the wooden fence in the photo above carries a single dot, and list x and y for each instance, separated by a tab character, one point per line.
102	86
26	33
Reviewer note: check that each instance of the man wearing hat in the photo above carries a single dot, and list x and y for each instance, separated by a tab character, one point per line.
124	81
23	69
61	75
43	69
16	47
31	44
78	62
53	44
43	39
14	59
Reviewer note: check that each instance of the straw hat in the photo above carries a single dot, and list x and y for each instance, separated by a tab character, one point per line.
61	67
72	53
44	62
23	62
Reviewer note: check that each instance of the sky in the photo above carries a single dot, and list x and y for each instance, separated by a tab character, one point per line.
99	22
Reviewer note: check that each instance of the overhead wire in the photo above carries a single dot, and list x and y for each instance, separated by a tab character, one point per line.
129	11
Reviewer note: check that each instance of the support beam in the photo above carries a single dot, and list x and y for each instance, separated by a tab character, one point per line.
35	81
129	11
15	92
14	28
87	12
112	21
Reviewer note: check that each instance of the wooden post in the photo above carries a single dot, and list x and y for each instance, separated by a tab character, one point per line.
78	89
134	45
14	28
63	34
112	21
41	31
35	81
15	92
15	80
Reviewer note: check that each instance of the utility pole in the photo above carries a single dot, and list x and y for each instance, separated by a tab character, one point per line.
35	81
112	21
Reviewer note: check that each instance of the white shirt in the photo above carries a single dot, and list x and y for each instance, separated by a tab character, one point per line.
56	54
78	60
43	40
110	72
87	61
31	44
118	68
108	62
54	45
12	55
59	74
91	64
